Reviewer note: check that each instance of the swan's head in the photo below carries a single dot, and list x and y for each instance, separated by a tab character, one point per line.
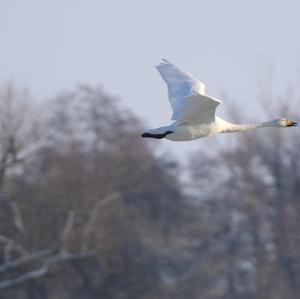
283	122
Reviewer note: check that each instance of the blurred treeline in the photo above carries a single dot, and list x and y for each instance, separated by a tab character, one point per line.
88	209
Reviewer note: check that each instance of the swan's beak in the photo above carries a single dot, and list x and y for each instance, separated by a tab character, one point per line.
292	123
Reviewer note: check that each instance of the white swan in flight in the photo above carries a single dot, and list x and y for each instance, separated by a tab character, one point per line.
194	112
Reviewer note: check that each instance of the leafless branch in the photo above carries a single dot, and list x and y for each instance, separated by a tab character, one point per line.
93	216
13	244
17	215
46	267
11	265
67	228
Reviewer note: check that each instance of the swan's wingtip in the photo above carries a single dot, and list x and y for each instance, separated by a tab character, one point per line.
163	62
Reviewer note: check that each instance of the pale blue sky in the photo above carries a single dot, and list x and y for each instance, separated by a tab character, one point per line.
50	46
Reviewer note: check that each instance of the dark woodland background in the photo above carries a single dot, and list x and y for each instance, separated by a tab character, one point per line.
88	209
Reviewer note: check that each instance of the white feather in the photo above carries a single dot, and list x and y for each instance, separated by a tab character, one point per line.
187	95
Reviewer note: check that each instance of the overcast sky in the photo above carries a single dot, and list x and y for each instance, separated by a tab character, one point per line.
52	45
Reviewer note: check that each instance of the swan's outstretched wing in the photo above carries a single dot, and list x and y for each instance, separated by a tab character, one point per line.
186	95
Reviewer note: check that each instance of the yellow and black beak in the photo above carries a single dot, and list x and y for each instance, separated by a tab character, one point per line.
291	123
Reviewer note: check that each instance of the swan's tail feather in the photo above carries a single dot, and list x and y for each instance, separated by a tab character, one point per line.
157	135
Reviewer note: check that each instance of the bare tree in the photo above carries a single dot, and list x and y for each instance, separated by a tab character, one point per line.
94	201
255	190
18	134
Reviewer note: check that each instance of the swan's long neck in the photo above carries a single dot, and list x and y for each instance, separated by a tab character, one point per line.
227	127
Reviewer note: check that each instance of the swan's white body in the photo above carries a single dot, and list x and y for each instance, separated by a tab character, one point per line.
194	112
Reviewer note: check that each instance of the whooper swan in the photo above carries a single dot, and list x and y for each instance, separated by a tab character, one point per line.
194	112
